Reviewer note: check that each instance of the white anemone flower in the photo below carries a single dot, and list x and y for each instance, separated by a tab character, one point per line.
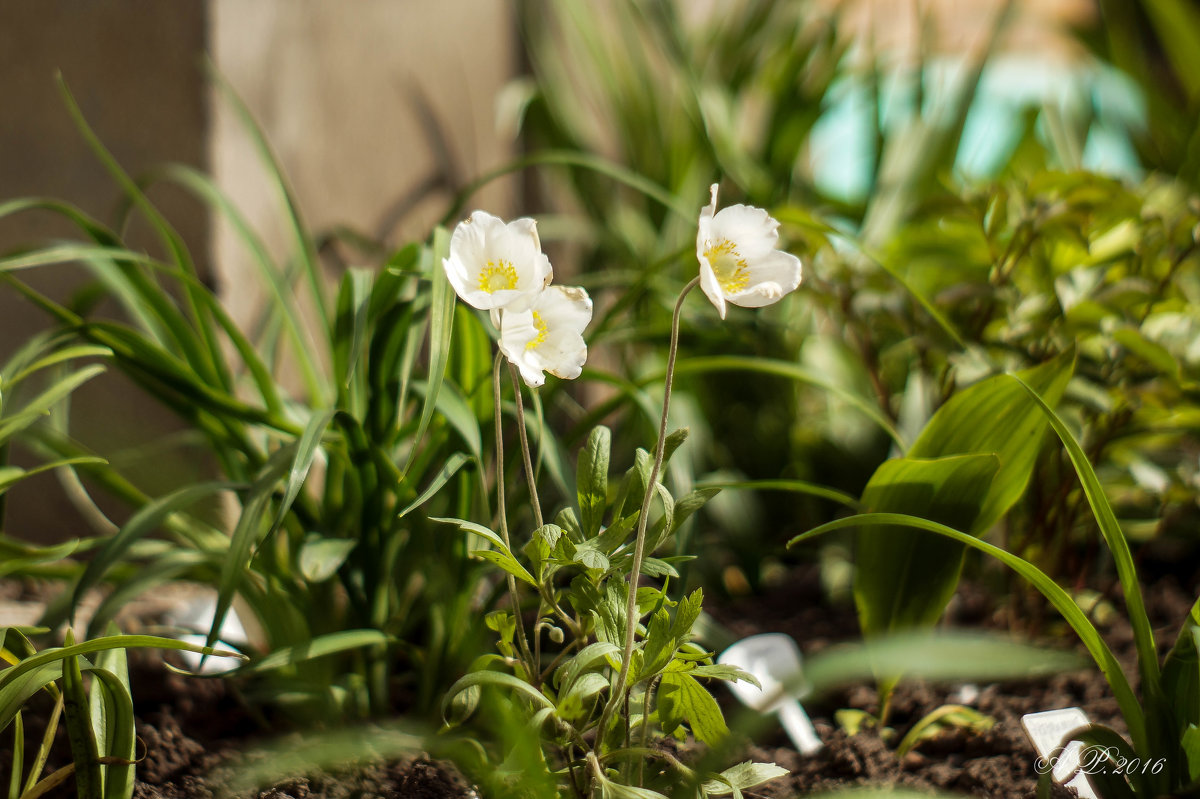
494	265
739	262
549	336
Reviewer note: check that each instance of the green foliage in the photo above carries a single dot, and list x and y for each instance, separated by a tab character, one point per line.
1161	725
560	683
98	719
346	582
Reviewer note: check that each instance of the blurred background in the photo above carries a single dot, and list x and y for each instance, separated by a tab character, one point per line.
916	141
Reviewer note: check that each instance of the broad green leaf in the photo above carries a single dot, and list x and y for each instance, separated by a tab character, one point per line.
743	776
1181	672
995	415
682	698
320	558
1190	742
591	479
904	577
595	655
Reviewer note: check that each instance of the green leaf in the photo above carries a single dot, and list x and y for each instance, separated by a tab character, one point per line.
615	790
1181	672
77	720
498	679
593	656
1190	741
320	646
682	698
143	523
1143	636
441	327
1014	431
743	776
306	451
1062	601
591	478
904	577
448	470
320	558
506	561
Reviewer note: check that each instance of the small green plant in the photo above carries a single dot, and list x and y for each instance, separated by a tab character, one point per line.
599	685
98	720
359	598
1162	755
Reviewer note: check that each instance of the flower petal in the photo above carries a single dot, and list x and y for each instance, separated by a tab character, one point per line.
771	277
549	336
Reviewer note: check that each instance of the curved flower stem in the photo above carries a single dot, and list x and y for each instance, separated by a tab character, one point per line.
529	478
529	663
639	546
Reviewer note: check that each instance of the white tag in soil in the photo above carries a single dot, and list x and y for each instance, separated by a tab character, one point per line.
1046	731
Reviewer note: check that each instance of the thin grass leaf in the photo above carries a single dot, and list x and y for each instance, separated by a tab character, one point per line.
84	749
305	249
146	521
208	357
448	470
1063	602
283	300
441	327
113	721
320	646
306	451
582	160
39	762
18	758
10	475
795	486
791	371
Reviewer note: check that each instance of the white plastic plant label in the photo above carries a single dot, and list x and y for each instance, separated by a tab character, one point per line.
1046	731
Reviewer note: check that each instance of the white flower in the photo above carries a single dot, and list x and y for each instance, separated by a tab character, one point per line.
493	265
549	336
739	262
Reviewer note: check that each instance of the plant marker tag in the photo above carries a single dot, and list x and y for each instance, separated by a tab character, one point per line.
774	660
1045	731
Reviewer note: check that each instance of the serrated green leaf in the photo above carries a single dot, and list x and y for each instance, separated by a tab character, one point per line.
682	698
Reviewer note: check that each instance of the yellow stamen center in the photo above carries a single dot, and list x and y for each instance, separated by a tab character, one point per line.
728	265
539	325
497	276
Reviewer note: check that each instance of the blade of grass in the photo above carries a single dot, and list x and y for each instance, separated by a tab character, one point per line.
303	243
441	327
207	358
1063	602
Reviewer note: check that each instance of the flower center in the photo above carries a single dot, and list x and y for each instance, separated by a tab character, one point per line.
539	324
730	268
497	276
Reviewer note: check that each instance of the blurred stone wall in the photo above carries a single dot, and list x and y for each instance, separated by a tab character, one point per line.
375	109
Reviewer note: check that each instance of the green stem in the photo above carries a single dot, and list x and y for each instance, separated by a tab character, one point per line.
530	664
639	547
524	434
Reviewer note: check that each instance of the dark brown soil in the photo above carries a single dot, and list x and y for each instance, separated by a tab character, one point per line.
194	729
